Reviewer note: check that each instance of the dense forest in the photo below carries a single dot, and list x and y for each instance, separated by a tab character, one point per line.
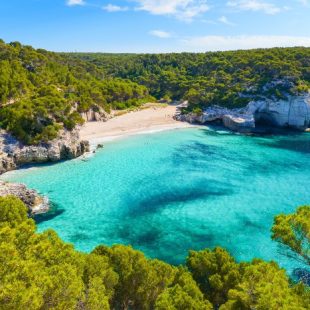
40	271
229	79
42	92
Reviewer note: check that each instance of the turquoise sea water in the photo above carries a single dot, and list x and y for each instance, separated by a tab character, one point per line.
169	192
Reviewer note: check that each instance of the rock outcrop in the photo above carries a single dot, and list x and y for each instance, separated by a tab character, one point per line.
96	115
13	153
234	119
35	203
242	123
291	113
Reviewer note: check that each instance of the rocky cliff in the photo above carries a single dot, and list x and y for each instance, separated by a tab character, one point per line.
13	153
35	203
291	113
97	114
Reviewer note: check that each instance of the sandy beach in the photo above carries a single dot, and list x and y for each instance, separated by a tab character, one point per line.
152	119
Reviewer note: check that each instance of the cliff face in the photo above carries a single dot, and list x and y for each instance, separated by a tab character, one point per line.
14	154
291	113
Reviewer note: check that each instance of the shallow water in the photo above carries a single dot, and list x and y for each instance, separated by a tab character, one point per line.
169	192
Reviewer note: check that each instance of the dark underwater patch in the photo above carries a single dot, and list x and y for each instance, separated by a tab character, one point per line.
158	200
80	236
200	237
194	151
248	223
132	233
296	143
302	275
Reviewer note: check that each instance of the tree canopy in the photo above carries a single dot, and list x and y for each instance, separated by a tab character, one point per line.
42	92
229	79
293	231
40	271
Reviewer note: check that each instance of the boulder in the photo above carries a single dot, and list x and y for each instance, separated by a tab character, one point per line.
35	203
240	123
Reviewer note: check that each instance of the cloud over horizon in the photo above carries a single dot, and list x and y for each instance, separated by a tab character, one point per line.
224	43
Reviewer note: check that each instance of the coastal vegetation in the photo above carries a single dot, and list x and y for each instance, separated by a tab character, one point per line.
229	79
293	231
43	92
40	271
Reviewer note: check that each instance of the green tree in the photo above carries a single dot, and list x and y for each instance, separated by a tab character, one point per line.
293	231
140	280
264	286
216	272
13	211
184	294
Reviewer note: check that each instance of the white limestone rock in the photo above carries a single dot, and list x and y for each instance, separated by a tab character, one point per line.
240	123
13	153
293	113
98	115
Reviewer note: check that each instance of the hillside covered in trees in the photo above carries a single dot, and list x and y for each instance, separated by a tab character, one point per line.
42	92
229	79
40	271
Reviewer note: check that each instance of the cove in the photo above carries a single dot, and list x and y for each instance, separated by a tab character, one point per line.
169	192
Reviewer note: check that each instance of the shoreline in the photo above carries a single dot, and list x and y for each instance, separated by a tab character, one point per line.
95	141
150	120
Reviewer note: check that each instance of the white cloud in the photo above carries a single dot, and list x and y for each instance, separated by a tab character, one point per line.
114	8
160	34
255	5
75	2
222	43
305	2
224	20
182	9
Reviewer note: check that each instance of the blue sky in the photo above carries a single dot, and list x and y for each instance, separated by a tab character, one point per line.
155	25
